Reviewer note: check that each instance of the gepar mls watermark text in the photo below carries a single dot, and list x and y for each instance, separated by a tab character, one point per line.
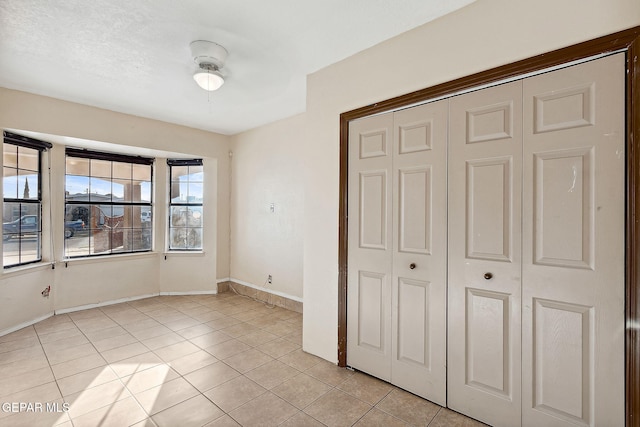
15	407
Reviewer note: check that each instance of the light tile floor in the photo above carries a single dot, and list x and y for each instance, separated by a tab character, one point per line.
214	360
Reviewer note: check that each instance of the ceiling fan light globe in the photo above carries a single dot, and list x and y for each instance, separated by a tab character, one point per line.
208	80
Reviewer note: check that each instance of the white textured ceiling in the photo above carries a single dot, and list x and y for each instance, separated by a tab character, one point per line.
133	56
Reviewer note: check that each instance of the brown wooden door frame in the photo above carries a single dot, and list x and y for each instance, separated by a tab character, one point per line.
627	41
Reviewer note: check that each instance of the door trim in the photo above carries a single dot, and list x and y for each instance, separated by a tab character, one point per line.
627	41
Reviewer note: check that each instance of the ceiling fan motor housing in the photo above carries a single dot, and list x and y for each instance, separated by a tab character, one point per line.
206	52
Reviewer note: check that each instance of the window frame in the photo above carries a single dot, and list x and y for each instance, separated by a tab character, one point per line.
13	139
183	162
110	157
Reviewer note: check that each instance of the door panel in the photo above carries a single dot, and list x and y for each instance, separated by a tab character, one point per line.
488	209
488	341
485	151
563	348
563	198
370	257
573	246
415	210
413	322
420	241
371	309
373	209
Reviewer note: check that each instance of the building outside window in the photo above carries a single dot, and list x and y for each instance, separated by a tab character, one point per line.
185	207
108	203
22	203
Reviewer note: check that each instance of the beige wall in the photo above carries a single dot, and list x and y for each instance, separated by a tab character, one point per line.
186	273
268	167
304	153
486	34
84	282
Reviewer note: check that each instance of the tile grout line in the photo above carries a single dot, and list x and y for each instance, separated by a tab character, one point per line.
182	376
244	374
135	399
50	370
49	364
108	364
435	416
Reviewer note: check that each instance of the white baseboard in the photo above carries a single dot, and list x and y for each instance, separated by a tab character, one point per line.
121	300
25	324
224	279
104	303
211	292
267	290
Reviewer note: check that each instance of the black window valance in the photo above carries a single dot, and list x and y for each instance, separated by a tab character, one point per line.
184	162
25	141
100	155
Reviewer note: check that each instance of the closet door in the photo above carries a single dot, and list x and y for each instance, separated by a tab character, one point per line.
485	154
573	247
370	245
418	361
396	324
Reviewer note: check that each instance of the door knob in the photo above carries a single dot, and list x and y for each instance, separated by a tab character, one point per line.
488	276
412	265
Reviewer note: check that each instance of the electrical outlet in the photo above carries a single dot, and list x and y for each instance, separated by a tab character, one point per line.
269	279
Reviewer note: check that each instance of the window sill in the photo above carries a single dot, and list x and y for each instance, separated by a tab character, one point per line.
108	258
29	268
183	253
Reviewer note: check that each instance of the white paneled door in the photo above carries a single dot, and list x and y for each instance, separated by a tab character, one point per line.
419	284
573	246
486	249
485	169
370	245
397	249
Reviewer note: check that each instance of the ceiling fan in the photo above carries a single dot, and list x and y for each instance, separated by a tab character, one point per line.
210	58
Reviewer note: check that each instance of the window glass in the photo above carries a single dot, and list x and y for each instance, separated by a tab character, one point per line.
118	192
142	173
28	184
99	189
122	170
76	186
186	207
110	206
101	168
10	183
28	159
22	205
77	166
10	156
